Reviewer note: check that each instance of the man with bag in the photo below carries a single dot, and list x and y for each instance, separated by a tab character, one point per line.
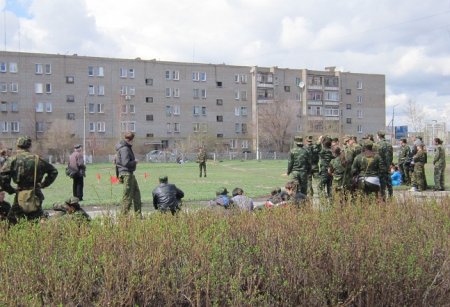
31	174
76	163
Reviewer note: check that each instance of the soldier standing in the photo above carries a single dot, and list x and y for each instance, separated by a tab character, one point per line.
386	152
404	161
338	171
201	160
126	166
299	165
314	150
367	167
325	157
439	165
22	170
419	160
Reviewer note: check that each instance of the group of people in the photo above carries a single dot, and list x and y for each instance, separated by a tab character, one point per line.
351	166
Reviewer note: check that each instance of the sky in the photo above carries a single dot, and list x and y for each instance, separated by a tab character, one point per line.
408	41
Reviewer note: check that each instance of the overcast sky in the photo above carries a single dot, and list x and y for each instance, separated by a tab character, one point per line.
406	40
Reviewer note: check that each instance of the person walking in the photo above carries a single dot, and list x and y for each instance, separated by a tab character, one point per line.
76	163
201	160
166	196
439	165
29	172
126	166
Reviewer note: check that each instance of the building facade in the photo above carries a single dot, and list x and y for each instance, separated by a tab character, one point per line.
166	103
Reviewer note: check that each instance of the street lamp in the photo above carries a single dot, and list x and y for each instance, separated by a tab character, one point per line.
393	126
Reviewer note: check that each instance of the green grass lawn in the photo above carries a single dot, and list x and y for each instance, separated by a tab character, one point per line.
256	178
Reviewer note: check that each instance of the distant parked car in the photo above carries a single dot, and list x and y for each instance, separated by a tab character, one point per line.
160	156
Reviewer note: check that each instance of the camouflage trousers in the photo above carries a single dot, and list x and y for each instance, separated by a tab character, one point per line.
312	179
418	179
405	172
385	183
325	184
16	213
202	166
439	177
131	194
301	179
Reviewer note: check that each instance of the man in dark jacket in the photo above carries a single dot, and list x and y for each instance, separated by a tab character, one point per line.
76	163
126	166
166	196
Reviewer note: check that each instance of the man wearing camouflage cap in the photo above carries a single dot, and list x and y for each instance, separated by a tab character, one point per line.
299	165
21	168
386	153
71	207
314	150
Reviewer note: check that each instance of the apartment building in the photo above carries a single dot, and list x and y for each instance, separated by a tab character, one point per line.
166	103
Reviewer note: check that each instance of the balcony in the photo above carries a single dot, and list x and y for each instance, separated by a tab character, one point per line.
264	85
315	102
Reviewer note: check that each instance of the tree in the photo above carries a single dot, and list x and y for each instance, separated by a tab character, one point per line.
415	116
276	122
59	139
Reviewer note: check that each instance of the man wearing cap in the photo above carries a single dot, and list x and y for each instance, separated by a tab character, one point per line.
71	207
201	160
314	150
76	163
299	165
166	196
126	166
404	161
325	157
386	153
21	168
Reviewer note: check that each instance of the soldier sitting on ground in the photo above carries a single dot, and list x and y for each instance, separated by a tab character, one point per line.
71	207
276	196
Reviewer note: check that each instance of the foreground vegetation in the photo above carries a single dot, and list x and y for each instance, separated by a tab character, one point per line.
395	254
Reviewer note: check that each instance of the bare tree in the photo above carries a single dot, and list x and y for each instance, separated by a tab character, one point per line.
276	124
415	116
59	139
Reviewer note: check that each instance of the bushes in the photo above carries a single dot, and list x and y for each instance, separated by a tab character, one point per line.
395	254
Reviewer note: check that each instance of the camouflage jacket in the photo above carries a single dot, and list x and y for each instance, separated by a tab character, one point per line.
314	150
338	171
404	154
439	157
299	160
386	152
20	169
202	157
420	157
367	164
325	157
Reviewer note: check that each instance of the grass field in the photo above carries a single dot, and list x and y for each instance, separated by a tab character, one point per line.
256	178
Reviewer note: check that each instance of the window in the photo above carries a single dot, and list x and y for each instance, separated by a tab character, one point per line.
168	110
131	73
196	93
175	75
48	88
132	108
176	127
48	107
169	128
168	92
38	69
14	106
38	88
359	99
244	78
2	66
149	117
236	94
204	111
203	93
100	71
195	76
48	69
331	112
39	107
360	129
15	127
90	71
101	126
314	95
176	110
101	90
359	114
219	84
244	144
244	128
91	127
243	111
298	97
236	78
39	126
359	85
176	92
4	87
348	106
314	111
70	98
237	127
348	120
149	135
70	79
348	91
128	126
91	90
13	69
219	102
196	127
123	90
100	108
237	111
332	96
14	87
203	76
331	81
4	126
233	144
219	118
196	110
4	106
168	76
91	107
149	99
148	81
124	109
244	95
219	135
71	116
123	72
287	88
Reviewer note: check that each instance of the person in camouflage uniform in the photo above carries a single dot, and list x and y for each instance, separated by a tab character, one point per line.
338	171
325	157
299	165
4	207
126	166
439	165
367	168
404	161
386	153
20	169
201	160
72	208
419	161
314	150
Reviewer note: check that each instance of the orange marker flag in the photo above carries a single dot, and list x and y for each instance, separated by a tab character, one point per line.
98	177
114	180
146	175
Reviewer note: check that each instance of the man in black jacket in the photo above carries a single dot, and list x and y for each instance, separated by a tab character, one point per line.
166	196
